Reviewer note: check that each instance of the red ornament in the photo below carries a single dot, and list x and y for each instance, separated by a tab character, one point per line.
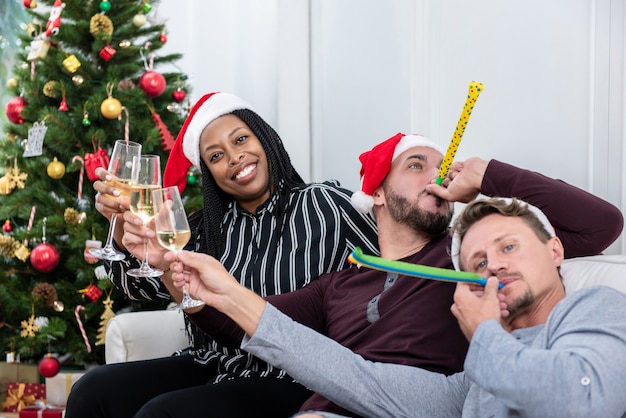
49	366
167	140
14	108
7	227
107	52
54	20
30	4
91	292
99	158
163	38
44	257
179	95
152	83
63	106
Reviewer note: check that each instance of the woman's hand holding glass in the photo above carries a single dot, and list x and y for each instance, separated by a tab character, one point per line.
172	229
146	177
113	193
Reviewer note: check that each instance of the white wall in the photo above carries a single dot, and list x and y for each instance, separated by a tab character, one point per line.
337	76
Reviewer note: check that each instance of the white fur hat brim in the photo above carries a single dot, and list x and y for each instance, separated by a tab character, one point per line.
219	104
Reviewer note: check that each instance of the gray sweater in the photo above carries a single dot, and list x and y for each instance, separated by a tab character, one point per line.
572	366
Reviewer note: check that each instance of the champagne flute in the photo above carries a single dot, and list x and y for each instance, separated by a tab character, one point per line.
146	177
172	230
120	167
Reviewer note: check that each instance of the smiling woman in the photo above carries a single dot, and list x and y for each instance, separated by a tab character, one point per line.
271	230
236	161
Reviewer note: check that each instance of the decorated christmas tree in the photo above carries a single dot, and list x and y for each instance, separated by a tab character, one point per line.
86	74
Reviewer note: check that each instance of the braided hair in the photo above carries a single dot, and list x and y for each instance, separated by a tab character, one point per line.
283	178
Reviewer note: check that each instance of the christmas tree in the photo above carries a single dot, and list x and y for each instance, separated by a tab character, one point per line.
86	74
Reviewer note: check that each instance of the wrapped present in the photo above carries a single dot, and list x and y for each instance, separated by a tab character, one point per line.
20	395
41	410
16	372
58	387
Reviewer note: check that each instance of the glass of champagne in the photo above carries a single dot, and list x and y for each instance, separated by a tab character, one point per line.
172	229
120	167
146	177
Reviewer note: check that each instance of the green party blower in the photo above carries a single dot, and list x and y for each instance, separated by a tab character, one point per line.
416	270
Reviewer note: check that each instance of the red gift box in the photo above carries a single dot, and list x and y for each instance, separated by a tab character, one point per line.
42	411
20	395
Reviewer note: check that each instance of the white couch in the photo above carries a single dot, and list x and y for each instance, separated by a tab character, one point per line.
145	335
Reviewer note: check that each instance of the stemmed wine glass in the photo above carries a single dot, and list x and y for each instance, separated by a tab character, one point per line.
172	230
146	177
120	167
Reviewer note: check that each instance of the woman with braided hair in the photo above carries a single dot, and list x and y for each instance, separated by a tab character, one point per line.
269	228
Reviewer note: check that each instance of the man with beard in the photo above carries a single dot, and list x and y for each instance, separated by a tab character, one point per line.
388	318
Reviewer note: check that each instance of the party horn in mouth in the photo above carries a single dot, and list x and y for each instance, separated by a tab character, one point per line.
475	88
415	270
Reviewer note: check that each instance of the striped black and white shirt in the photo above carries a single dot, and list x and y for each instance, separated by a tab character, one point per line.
320	230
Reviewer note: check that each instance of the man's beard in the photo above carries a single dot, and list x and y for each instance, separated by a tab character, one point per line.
520	304
409	213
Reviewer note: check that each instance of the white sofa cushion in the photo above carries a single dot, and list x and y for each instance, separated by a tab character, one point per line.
144	335
607	270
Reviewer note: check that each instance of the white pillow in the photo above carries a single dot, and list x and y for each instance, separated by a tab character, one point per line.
607	270
144	335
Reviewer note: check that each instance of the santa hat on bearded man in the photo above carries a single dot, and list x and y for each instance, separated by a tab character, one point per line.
376	164
186	151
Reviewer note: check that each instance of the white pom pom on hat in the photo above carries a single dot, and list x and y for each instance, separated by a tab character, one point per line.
455	248
376	164
186	151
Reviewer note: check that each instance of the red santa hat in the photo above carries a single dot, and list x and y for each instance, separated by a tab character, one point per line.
376	164
186	151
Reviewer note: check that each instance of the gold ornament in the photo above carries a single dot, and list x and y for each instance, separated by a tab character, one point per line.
29	328
78	79
56	169
50	89
139	20
12	83
111	108
125	44
5	186
31	29
104	320
15	177
23	252
8	246
100	26
71	63
71	216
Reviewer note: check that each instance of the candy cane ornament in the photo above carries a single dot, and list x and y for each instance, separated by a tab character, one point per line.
31	219
126	124
81	327
81	175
